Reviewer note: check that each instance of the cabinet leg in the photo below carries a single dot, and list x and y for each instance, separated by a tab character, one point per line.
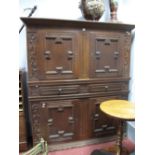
119	138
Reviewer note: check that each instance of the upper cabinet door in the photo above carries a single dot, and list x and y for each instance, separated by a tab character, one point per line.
105	54
56	55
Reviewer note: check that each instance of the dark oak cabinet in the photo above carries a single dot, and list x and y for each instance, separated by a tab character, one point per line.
72	67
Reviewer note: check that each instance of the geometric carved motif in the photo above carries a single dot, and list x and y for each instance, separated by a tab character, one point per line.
36	122
107	55
127	42
59	47
61	121
33	74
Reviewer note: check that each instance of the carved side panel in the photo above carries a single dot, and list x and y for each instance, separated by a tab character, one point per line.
32	59
126	54
36	122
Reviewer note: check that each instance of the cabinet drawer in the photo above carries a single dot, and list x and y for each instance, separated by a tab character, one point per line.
53	90
107	87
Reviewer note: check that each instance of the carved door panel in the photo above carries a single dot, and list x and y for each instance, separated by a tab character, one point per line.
101	123
60	121
57	55
105	54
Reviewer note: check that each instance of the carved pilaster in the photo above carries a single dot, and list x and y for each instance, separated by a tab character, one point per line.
126	54
33	74
36	122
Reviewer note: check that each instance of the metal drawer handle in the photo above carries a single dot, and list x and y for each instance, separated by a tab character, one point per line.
60	90
106	87
36	86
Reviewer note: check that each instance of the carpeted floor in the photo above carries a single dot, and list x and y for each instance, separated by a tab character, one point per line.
87	150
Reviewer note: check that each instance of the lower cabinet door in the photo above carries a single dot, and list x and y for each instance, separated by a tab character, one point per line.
61	121
55	121
102	125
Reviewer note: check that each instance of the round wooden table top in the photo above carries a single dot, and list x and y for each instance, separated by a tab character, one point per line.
121	109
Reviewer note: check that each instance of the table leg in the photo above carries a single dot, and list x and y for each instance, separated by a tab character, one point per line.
119	138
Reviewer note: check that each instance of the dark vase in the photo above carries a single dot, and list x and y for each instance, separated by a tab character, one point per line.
92	9
113	4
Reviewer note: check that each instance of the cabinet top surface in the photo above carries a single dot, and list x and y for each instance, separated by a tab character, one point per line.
62	23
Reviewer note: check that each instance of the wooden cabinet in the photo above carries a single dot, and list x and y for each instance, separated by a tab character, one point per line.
72	67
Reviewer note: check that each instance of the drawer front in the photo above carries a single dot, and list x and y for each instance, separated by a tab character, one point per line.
76	90
53	90
108	87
